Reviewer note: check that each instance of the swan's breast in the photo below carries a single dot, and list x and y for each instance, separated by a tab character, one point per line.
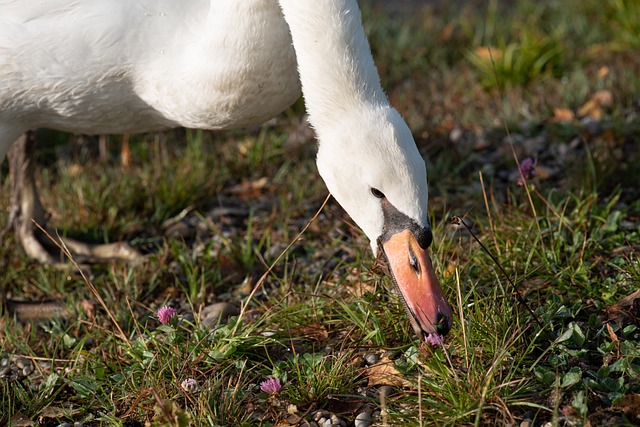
236	68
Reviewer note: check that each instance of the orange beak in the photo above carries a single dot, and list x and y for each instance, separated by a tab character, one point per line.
422	295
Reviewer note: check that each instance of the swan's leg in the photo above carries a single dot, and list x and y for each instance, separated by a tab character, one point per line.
27	209
25	202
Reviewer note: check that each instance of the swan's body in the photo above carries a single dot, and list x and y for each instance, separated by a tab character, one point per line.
122	66
127	66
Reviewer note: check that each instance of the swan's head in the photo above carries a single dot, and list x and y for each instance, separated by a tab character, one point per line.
372	166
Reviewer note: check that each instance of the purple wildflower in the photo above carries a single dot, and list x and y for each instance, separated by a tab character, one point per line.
435	339
527	169
166	313
189	385
271	385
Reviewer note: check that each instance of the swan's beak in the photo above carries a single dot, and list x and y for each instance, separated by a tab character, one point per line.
413	273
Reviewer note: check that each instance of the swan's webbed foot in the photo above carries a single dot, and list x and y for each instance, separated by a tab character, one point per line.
26	216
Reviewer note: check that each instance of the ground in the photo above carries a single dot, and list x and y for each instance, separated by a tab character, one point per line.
544	285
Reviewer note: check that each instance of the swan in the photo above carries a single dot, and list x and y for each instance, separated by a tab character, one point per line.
132	66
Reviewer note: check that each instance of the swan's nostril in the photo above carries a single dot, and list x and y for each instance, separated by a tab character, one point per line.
442	324
413	261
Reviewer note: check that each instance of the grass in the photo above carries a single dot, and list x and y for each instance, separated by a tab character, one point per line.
568	240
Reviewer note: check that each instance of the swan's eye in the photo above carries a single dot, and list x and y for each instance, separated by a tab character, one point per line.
377	193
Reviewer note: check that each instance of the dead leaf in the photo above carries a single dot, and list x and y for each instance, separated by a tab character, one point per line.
612	334
625	307
591	108
543	172
629	299
385	373
447	32
629	404
603	72
314	331
55	412
249	189
359	289
233	273
595	107
488	53
294	420
604	98
449	270
625	249
344	405
169	292
18	420
562	115
75	169
89	309
290	420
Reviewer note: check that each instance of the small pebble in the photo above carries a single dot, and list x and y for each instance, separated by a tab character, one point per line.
334	420
456	134
5	373
327	423
591	125
26	371
293	419
329	348
363	420
535	145
319	415
21	362
178	229
221	311
88	343
371	358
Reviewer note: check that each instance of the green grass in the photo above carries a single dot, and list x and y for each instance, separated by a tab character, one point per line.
568	241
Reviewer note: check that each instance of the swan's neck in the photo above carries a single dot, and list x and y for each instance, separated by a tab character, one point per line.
336	68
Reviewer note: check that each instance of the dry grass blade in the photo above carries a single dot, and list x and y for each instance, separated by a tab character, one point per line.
60	244
456	220
273	264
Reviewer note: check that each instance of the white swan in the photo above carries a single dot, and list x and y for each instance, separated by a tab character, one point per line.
127	66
